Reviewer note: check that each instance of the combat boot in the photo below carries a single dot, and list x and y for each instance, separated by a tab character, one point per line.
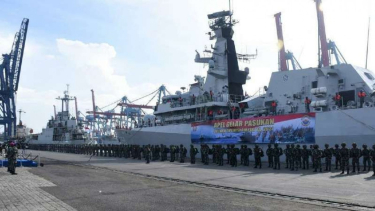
342	172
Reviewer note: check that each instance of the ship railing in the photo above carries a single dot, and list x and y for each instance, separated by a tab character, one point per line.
202	99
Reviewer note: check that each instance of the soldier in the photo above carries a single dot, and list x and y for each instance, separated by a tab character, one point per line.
327	154
162	148
177	151
317	155
305	157
336	153
298	157
372	155
214	160
292	157
233	156
147	154
139	152
355	154
205	154
366	158
227	151
246	154
258	154
269	153
12	157
242	153
193	153
287	155
276	153
221	152
345	155
105	147
310	153
173	155
183	152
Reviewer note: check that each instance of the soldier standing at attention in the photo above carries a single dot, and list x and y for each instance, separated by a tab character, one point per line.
287	155
336	153
173	157
327	153
233	156
246	154
242	154
147	154
12	157
258	154
276	153
298	157
305	157
221	152
292	157
355	154
366	158
183	151
177	151
206	151
269	153
372	155
227	151
345	155
317	155
193	153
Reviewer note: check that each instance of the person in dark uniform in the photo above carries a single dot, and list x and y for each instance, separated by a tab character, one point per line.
305	157
173	153
345	155
336	153
148	154
298	157
287	153
276	153
258	154
193	153
366	158
246	154
327	154
242	153
292	157
183	152
12	153
227	151
221	153
355	154
269	153
317	155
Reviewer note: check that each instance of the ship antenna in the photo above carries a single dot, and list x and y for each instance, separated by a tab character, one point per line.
368	39
230	13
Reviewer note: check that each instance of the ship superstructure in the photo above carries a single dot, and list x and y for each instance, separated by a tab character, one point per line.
63	127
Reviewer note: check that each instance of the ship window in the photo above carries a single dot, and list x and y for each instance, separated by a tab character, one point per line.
314	84
369	76
341	81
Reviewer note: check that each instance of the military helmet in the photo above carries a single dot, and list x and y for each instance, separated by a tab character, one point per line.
326	145
316	146
354	144
298	146
287	145
245	146
256	146
276	145
304	146
364	146
336	145
343	144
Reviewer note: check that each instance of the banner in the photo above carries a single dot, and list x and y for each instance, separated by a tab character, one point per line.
292	128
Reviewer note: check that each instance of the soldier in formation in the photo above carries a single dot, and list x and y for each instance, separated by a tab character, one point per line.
295	156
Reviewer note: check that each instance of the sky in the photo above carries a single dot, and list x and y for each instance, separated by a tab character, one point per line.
131	47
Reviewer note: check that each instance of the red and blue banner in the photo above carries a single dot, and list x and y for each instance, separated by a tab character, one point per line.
292	128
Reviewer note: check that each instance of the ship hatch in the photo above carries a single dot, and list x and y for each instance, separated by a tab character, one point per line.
347	96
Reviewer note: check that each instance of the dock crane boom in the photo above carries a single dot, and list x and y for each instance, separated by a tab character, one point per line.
280	38
10	71
284	57
323	47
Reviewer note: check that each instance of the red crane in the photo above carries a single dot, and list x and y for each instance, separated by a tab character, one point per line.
323	48
280	37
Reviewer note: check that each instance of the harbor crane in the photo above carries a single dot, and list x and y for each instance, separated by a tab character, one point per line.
284	57
326	47
10	69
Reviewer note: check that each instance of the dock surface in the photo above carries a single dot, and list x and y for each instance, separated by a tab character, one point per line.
81	182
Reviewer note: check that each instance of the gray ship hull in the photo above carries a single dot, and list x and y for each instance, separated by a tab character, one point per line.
332	127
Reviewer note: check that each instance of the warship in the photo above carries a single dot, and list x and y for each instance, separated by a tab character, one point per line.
298	106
